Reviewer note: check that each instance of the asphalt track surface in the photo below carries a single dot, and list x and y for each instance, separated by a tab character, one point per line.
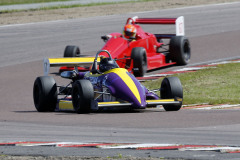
214	34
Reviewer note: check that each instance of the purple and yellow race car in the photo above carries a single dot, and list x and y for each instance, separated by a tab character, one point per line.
105	85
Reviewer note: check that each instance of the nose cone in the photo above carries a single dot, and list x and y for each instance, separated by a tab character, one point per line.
125	86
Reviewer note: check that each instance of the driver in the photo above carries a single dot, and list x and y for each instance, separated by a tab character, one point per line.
129	32
107	64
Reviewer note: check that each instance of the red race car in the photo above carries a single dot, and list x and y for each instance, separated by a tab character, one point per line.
140	51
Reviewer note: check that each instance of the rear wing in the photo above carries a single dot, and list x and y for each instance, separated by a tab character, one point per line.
69	62
179	22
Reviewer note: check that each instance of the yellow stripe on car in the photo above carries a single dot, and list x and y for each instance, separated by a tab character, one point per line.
122	73
112	102
65	105
161	100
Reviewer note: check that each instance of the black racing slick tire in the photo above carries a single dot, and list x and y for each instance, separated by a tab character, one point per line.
45	94
171	87
139	58
180	51
72	51
82	96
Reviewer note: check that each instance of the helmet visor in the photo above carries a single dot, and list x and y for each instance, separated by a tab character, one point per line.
130	34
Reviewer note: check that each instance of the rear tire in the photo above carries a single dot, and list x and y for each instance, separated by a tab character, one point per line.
180	51
171	87
139	57
71	51
82	96
45	94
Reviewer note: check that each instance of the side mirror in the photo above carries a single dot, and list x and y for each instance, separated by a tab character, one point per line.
94	67
135	69
67	74
105	38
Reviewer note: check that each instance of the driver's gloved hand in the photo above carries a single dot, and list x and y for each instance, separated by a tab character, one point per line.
74	74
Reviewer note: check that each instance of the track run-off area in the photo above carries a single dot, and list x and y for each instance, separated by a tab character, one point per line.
214	35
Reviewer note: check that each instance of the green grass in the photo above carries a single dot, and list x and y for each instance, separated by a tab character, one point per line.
219	85
119	156
11	2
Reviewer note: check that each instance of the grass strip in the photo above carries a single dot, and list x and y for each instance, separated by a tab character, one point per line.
71	5
13	2
212	86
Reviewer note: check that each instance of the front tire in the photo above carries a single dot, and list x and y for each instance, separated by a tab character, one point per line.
180	51
171	87
82	96
139	57
45	94
72	51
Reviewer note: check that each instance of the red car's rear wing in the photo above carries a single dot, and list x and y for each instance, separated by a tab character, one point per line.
179	22
155	20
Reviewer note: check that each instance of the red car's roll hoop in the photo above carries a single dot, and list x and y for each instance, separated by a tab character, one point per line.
179	22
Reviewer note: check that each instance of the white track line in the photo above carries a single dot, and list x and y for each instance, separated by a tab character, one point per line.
134	146
220	106
220	149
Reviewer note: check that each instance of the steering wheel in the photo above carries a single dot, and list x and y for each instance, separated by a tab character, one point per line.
94	66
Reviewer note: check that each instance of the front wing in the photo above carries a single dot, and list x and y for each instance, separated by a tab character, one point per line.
66	105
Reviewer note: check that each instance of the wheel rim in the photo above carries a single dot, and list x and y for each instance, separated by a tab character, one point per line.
186	50
144	64
36	95
76	98
165	91
77	54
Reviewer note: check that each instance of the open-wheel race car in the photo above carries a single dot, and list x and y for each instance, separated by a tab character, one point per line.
105	85
140	51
